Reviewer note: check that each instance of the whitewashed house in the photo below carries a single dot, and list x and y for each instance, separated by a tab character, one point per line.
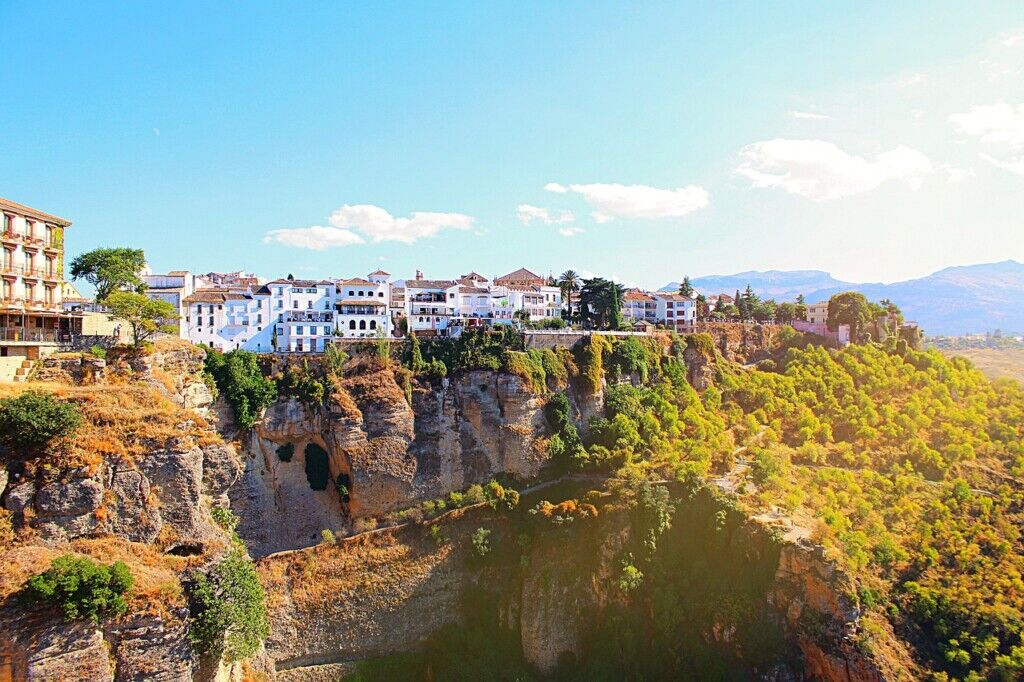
431	305
364	306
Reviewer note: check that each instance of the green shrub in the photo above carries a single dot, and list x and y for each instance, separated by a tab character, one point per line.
225	518
335	358
702	343
481	541
327	537
437	535
81	588
301	383
240	380
630	578
285	452
318	471
229	614
98	351
33	418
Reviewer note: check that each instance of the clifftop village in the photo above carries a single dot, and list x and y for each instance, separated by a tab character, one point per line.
41	312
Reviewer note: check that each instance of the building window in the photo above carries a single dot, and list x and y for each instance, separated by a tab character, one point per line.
362	324
373	324
351	324
298	330
211	321
327	331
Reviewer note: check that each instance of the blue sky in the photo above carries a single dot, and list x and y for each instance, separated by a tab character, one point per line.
879	141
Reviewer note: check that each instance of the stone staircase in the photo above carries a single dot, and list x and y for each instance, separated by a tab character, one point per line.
15	368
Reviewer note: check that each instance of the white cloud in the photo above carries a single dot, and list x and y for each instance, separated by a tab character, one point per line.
527	214
809	115
993	124
955	176
317	237
365	222
636	201
822	171
1014	165
1012	40
380	226
910	80
570	231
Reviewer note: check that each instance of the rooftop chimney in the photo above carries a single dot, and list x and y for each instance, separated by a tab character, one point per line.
419	274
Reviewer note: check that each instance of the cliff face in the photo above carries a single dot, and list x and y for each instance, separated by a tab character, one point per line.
388	454
136	485
743	343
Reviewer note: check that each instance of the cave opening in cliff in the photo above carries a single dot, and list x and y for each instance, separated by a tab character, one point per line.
318	470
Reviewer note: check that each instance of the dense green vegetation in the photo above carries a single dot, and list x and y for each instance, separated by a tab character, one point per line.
32	419
240	380
229	616
81	588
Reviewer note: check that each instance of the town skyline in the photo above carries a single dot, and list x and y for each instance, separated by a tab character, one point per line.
464	147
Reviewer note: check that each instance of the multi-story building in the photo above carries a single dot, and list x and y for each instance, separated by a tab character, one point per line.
639	306
817	313
676	311
174	288
304	312
431	305
32	316
364	306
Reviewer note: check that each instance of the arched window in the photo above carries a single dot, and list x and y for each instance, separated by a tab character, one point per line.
373	324
351	324
362	324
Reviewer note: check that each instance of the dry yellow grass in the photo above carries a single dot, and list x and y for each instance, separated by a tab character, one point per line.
157	588
121	419
995	363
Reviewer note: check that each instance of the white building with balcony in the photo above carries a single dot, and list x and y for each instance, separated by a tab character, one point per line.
32	316
431	305
364	306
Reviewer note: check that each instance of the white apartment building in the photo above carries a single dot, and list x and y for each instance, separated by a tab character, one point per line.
431	305
676	311
304	314
639	306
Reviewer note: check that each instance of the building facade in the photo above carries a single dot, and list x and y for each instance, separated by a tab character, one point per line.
32	316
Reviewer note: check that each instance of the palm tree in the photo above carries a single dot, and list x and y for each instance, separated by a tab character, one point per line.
569	283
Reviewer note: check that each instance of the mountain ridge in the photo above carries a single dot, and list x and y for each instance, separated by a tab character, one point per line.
956	300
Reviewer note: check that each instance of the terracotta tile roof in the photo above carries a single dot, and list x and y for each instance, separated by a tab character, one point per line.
667	296
22	209
428	283
473	290
379	272
637	295
520	274
357	280
214	296
301	282
177	273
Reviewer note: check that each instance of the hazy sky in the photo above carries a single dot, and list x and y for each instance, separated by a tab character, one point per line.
880	141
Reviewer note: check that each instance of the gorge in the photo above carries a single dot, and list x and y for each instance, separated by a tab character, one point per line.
678	514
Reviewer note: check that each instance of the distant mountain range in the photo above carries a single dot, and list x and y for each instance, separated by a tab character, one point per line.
951	302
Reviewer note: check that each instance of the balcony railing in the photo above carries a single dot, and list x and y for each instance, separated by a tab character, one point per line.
309	317
28	334
26	271
361	310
